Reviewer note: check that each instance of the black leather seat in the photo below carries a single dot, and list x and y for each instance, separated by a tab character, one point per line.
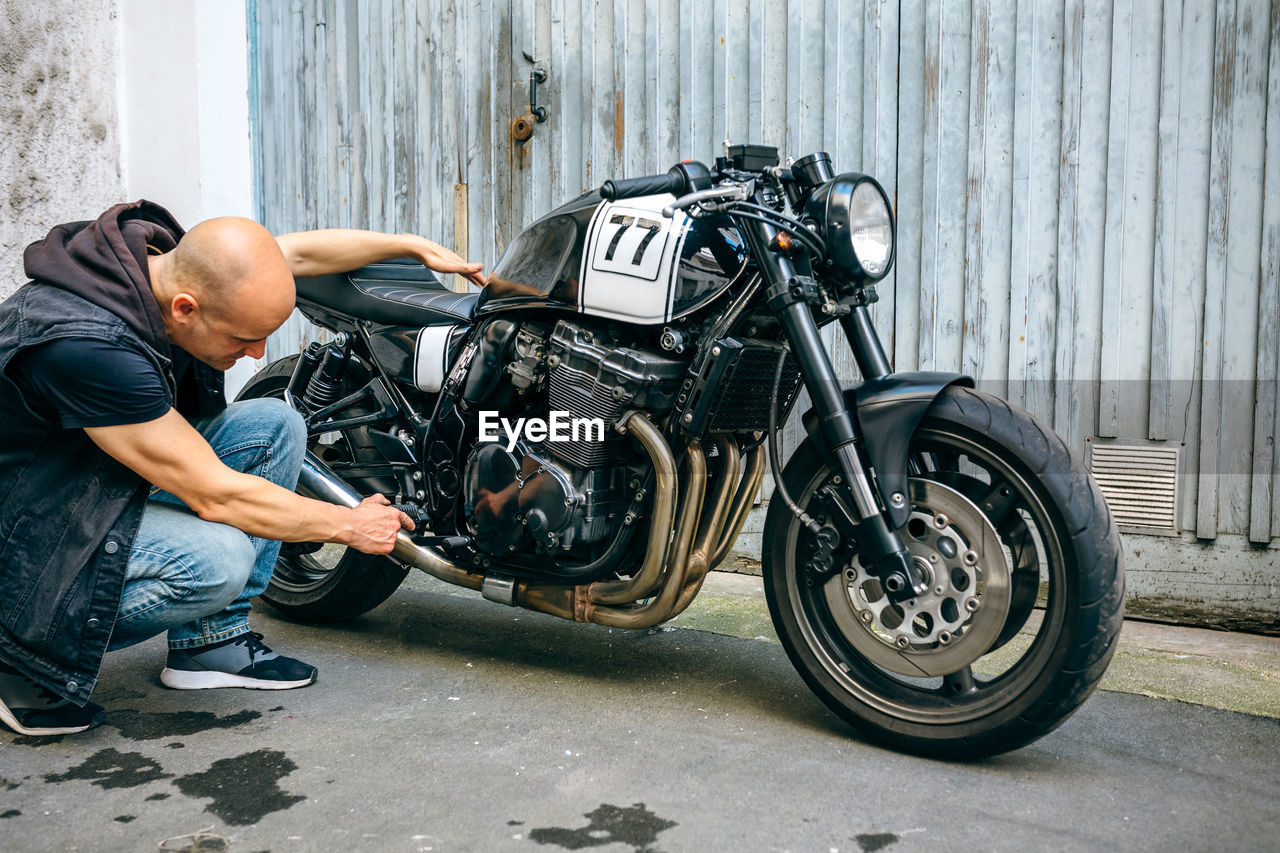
392	293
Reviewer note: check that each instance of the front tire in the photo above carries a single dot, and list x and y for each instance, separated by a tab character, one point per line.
326	583
1026	594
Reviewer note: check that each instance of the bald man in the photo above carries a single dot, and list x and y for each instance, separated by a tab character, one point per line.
133	500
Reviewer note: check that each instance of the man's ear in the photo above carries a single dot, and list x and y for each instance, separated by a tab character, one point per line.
184	307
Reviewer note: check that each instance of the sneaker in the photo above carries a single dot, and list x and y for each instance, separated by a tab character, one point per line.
242	661
31	709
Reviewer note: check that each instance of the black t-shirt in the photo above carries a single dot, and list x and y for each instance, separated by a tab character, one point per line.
85	382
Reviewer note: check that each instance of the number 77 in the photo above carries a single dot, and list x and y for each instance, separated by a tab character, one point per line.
628	222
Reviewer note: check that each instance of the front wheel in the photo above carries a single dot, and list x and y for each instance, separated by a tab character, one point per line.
1025	599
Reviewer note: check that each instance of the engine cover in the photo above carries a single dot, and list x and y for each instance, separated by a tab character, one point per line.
516	500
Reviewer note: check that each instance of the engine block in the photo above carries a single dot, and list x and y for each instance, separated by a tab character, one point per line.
592	379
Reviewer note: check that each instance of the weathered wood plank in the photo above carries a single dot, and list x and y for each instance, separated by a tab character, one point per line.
698	64
514	160
737	69
1113	286
905	352
629	79
1167	206
1033	216
604	107
1194	146
1086	68
668	79
1262	521
945	151
717	12
1211	399
986	306
545	185
880	132
773	31
1244	225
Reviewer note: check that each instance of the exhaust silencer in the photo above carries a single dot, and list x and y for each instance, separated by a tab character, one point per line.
317	480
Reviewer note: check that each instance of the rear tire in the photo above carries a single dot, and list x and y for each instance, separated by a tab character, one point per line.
328	583
1007	519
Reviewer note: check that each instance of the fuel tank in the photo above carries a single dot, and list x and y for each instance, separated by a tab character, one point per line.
622	260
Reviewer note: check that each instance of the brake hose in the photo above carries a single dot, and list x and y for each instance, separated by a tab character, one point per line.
781	489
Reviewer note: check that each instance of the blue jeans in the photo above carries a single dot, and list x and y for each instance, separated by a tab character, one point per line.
195	578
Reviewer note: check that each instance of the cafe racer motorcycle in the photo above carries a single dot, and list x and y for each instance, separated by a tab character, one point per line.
941	569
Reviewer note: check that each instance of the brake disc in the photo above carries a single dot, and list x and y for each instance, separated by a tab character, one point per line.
961	615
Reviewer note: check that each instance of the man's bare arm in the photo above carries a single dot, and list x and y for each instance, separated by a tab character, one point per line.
169	453
333	250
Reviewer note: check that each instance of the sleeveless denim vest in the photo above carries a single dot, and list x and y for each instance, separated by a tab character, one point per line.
68	511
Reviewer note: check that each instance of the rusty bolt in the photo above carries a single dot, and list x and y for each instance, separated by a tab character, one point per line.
522	129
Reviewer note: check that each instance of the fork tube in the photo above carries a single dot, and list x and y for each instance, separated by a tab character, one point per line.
865	343
786	297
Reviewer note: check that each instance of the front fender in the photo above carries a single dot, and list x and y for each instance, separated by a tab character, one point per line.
887	411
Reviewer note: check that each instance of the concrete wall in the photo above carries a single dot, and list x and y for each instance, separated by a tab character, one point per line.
107	100
58	118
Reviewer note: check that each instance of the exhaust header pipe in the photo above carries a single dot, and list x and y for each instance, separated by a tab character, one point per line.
317	480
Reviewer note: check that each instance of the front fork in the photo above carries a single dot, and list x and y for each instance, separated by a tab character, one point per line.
788	296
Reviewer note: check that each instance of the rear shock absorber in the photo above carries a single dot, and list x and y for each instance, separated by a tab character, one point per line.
325	386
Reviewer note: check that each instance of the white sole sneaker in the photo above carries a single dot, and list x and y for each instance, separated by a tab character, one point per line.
181	679
9	719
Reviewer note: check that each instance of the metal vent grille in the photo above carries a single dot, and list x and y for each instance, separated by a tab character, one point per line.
1141	485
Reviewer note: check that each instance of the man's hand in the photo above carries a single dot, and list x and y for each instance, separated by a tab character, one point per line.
440	259
375	526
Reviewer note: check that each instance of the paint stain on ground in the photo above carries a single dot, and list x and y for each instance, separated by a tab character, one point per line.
108	768
7	784
125	818
157	797
9	813
875	841
144	725
244	789
609	824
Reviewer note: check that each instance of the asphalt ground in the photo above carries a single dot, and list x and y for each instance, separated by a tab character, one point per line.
444	722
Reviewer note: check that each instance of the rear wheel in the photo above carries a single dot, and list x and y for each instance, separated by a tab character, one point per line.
1025	599
326	582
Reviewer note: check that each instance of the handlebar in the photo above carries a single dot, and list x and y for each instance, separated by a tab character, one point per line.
672	182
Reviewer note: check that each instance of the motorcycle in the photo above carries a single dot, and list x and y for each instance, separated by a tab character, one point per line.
585	436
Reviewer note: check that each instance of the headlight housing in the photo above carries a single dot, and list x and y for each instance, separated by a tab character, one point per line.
857	224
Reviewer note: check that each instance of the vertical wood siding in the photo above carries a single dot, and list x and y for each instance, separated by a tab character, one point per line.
1088	191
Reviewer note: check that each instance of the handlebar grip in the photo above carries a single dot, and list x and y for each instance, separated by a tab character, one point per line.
672	182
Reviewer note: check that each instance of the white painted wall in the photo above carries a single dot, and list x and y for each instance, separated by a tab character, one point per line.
185	97
186	123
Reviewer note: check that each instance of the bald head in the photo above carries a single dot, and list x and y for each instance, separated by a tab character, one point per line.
219	257
228	272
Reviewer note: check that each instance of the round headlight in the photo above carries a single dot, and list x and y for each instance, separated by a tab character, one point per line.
857	224
871	229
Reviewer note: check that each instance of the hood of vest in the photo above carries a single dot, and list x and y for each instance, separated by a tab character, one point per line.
104	261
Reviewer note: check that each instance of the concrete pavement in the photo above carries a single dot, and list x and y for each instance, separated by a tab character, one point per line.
444	722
